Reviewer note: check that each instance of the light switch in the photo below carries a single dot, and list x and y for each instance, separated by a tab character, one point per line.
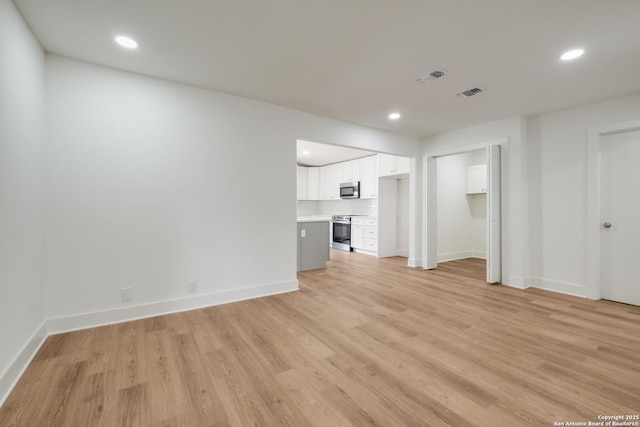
303	233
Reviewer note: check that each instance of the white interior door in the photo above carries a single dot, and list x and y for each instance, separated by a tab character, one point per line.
620	216
494	218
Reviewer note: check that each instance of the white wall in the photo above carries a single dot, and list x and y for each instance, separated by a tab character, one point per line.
454	215
387	217
461	217
515	245
22	292
558	190
545	179
152	184
403	226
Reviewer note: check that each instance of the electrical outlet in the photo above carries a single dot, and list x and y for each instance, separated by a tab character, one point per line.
126	293
193	286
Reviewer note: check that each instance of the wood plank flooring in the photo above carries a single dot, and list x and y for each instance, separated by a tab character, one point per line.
364	342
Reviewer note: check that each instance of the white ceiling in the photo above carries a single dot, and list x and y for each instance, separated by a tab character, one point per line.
356	60
315	154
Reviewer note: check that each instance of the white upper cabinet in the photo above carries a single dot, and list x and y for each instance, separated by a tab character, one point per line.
403	164
477	179
329	182
334	174
312	184
350	171
323	183
393	165
303	186
368	177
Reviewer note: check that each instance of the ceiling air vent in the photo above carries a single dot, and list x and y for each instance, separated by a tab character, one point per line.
469	92
428	78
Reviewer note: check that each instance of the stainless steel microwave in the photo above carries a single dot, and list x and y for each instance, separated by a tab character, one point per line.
350	190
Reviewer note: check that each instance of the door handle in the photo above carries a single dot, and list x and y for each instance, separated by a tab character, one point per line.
606	225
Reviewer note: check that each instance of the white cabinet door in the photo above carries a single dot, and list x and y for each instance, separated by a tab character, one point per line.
332	181
393	165
387	164
369	177
356	236
477	179
329	182
403	164
350	171
312	184
322	183
302	183
370	234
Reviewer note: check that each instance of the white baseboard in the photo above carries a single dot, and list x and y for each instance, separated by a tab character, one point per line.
479	254
362	251
452	256
413	262
515	282
556	286
10	377
126	314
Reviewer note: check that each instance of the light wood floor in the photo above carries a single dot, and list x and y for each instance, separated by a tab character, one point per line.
365	342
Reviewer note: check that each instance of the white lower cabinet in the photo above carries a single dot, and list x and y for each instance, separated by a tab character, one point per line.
370	234
356	234
370	245
364	234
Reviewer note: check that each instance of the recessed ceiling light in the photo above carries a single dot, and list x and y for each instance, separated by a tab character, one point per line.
305	153
394	116
127	42
572	54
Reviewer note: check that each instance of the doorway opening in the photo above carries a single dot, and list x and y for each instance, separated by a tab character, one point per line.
379	217
463	206
462	209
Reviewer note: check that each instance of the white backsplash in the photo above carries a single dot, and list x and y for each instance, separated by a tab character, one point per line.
338	207
307	207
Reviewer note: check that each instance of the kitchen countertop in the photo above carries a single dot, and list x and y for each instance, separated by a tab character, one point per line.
317	218
314	218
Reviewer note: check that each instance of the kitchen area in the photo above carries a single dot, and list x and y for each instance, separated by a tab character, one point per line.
350	200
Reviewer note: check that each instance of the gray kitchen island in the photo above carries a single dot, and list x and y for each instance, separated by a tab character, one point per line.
313	243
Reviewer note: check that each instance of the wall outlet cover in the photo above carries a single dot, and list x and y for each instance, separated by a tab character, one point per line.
193	286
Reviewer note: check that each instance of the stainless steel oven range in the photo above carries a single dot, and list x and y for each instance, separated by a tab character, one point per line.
341	232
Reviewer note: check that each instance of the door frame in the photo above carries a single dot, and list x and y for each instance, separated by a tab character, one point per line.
594	201
430	226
